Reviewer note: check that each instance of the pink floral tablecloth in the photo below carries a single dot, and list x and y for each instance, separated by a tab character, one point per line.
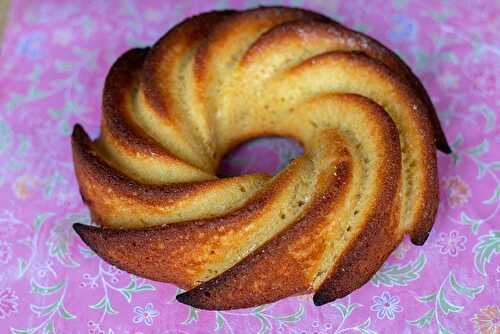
53	62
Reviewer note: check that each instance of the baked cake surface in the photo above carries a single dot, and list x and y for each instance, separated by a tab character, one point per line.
324	224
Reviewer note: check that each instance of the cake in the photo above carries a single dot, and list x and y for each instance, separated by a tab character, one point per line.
324	224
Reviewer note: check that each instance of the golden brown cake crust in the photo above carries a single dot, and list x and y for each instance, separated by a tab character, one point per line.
151	80
353	40
251	281
237	287
174	252
323	225
426	209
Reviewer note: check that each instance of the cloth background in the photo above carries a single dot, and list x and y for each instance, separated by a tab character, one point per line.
54	59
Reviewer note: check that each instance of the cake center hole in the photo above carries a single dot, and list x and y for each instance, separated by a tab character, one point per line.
264	154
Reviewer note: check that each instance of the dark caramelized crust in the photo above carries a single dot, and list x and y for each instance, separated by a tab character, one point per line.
179	253
325	224
363	257
417	141
251	282
301	247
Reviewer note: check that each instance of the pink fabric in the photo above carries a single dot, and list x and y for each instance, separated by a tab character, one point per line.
54	60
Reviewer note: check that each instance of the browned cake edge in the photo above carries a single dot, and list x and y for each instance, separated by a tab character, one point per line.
372	48
358	263
119	82
154	252
223	293
90	167
151	76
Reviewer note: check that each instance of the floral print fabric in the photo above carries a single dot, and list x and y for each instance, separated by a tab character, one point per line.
54	59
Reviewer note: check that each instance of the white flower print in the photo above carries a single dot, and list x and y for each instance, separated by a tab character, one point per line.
451	244
145	314
386	306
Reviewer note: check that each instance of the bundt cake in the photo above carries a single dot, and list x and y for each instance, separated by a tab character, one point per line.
324	224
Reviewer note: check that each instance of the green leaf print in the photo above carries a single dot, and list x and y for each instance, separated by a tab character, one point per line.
192	316
260	308
44	310
459	288
494	198
494	165
443	330
264	322
441	306
421	58
61	237
47	311
105	305
457	143
427	298
295	316
346	310
473	223
488	115
51	184
488	245
22	265
49	328
364	327
220	321
397	274
65	314
134	287
481	169
86	252
41	218
445	305
20	331
5	136
479	149
266	318
424	320
45	290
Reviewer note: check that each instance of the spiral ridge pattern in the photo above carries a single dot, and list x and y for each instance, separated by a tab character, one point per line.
324	224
